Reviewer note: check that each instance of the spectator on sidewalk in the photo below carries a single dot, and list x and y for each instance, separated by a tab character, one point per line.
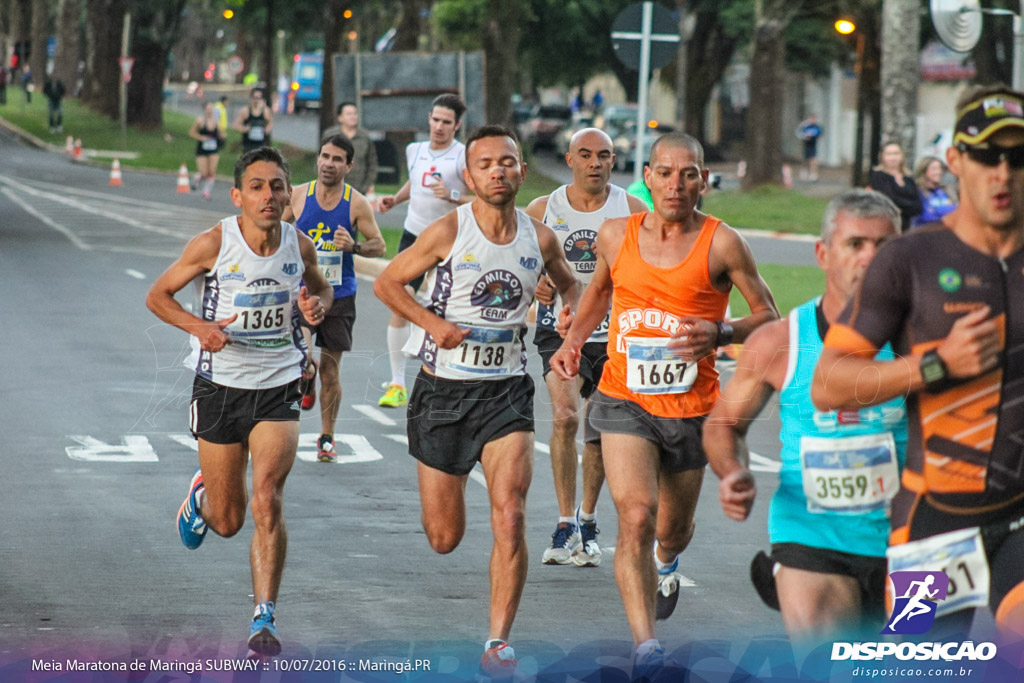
809	131
890	177
53	91
935	199
3	84
26	83
363	174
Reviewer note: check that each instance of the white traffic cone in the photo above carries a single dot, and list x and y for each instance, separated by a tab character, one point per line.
69	146
183	186
787	175
115	173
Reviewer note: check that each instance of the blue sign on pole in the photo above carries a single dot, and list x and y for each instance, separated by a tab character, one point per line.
51	47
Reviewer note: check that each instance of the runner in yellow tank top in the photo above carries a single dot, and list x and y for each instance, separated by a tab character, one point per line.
667	275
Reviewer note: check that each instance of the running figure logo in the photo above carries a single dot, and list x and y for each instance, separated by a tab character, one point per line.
914	608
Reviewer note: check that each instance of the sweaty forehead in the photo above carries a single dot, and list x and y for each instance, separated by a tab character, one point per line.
674	154
442	113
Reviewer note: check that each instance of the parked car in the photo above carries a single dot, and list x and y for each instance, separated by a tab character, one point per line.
545	123
580	120
624	143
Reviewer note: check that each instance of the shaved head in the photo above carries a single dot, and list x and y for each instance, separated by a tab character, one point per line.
591	138
679	140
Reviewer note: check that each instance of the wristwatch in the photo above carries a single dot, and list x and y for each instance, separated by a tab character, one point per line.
357	248
725	333
454	196
933	371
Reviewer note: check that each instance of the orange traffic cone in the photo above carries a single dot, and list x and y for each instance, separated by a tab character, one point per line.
115	173
183	186
76	153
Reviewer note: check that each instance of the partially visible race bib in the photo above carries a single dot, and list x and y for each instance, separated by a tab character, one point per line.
653	368
486	351
849	475
257	133
960	554
209	144
330	266
264	316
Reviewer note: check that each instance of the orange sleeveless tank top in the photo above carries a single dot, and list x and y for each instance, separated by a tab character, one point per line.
649	301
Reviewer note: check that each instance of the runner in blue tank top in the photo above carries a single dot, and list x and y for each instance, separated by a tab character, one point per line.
332	212
828	521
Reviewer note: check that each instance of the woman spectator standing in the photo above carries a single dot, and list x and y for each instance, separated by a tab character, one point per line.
206	130
935	201
890	178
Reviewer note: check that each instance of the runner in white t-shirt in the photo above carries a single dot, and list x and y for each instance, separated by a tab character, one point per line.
434	188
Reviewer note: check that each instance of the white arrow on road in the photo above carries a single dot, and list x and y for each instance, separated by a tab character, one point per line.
134	448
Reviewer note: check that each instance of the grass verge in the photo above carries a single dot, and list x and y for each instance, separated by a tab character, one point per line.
768	208
790	285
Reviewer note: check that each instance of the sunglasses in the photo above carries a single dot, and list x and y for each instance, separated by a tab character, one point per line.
993	156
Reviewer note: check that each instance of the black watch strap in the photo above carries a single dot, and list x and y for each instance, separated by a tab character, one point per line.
725	333
356	248
933	371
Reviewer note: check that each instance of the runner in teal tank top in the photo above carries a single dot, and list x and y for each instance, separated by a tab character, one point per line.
828	520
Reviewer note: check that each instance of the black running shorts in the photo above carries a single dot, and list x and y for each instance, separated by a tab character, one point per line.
225	415
592	358
407	240
871	573
678	439
450	421
335	332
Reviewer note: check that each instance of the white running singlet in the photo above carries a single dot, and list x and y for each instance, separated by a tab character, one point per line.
577	233
267	347
426	166
488	288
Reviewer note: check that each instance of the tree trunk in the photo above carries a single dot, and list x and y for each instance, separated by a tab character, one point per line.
269	66
145	91
334	26
104	21
18	23
411	25
682	64
69	44
900	73
764	122
197	34
501	42
40	32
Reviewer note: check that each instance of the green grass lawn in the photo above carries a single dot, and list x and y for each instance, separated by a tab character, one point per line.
164	148
790	285
768	208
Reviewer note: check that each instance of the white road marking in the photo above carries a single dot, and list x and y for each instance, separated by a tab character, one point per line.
400	438
378	416
45	220
542	447
135	274
359	448
135	448
185	440
759	463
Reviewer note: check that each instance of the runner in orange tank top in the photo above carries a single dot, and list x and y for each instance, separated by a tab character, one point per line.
667	275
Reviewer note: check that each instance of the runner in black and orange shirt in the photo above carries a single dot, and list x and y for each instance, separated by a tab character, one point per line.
950	299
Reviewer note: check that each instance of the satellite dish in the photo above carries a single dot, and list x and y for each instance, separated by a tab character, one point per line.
958	23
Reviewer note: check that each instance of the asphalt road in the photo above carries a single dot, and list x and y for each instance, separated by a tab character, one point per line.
97	460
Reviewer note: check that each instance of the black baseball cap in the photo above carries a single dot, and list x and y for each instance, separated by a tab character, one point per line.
986	114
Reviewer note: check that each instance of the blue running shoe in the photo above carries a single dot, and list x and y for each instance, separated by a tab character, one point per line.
263	638
648	662
564	542
191	526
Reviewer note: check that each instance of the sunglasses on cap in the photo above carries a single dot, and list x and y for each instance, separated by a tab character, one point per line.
993	155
